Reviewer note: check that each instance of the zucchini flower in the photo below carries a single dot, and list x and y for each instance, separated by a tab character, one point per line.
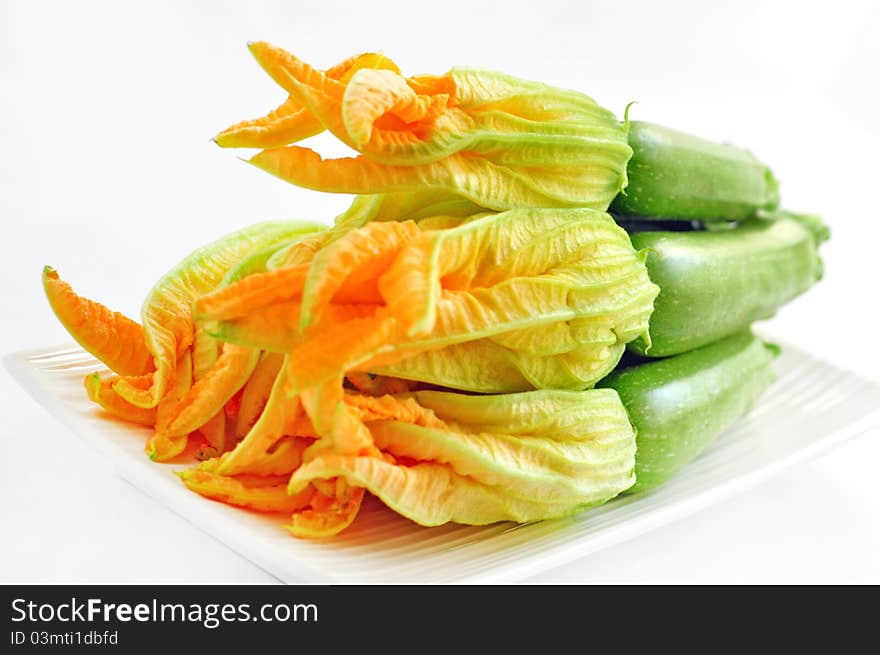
524	299
170	373
438	457
471	135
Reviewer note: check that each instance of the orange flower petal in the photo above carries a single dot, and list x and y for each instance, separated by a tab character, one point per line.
113	338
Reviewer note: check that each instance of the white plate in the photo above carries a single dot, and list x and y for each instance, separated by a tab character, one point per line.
812	407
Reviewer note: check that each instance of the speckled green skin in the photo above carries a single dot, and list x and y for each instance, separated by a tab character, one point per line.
715	283
680	404
678	176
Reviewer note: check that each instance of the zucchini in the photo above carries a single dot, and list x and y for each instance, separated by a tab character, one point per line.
715	283
675	175
680	404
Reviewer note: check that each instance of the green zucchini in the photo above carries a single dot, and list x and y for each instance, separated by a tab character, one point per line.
675	175
680	404
715	283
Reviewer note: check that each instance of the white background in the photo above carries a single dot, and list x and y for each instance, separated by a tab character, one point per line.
108	174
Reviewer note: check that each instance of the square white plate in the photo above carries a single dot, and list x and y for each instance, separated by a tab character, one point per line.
812	407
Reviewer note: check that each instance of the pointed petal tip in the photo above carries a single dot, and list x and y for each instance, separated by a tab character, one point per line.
224	140
259	47
259	160
256	49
